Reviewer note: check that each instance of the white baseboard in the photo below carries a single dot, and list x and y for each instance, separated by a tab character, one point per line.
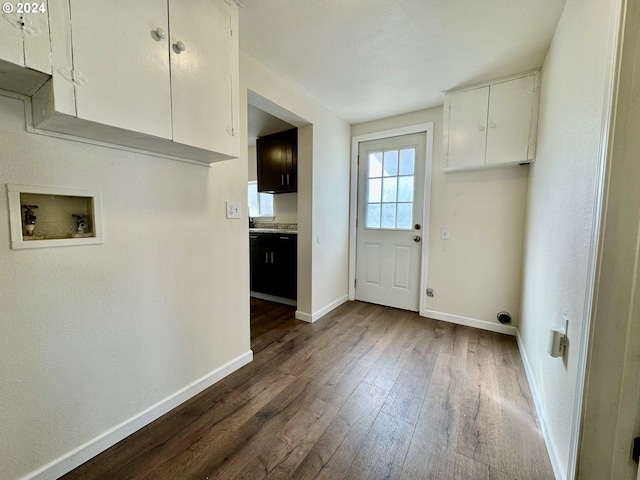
310	318
273	298
93	447
470	322
542	418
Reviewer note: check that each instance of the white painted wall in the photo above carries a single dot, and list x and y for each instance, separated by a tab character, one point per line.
561	202
285	205
94	335
476	273
323	188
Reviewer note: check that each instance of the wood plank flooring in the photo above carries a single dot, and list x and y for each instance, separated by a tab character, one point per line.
367	392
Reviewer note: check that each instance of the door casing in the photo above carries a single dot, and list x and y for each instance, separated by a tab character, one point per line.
427	129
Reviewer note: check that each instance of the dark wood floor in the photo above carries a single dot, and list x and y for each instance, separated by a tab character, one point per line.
366	392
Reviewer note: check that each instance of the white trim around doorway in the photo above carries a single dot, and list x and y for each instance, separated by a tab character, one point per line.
427	129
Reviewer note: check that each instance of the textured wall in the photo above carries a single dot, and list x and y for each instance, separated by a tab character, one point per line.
477	272
93	335
560	208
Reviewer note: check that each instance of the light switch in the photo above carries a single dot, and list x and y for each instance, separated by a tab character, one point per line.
234	210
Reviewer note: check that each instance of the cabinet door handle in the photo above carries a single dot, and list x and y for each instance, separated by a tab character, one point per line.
482	128
492	125
287	179
160	33
271	257
266	257
180	46
282	179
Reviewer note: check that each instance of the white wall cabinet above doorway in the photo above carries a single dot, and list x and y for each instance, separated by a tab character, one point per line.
491	124
156	75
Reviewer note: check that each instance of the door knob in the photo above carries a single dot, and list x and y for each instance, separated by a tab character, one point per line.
417	226
416	238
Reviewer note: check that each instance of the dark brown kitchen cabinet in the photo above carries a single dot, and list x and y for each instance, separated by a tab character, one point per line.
278	162
274	264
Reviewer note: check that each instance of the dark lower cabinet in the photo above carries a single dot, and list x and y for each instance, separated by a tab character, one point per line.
274	259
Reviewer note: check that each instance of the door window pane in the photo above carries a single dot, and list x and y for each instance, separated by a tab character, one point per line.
375	191
373	216
404	215
391	163
375	165
388	215
407	161
390	189
405	189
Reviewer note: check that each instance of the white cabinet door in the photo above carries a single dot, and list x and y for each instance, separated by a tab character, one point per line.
203	80
24	42
467	128
11	43
37	43
509	121
121	65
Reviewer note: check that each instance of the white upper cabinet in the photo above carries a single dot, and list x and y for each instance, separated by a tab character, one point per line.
468	127
25	49
121	65
155	75
11	41
492	124
203	82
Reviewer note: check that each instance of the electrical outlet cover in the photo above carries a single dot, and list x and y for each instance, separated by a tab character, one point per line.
234	210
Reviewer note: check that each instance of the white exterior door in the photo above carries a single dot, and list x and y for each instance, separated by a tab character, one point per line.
391	179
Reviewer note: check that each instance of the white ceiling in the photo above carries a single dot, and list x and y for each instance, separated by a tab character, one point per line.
369	59
261	123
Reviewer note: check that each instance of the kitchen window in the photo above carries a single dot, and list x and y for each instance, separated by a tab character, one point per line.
260	204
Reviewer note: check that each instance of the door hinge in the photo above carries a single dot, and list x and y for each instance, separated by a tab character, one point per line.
636	450
355	283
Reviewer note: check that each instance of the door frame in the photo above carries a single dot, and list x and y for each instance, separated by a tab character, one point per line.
427	129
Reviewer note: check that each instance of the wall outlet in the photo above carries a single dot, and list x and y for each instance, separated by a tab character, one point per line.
234	210
557	343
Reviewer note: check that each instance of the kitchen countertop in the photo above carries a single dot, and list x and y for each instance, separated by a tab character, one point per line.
288	228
